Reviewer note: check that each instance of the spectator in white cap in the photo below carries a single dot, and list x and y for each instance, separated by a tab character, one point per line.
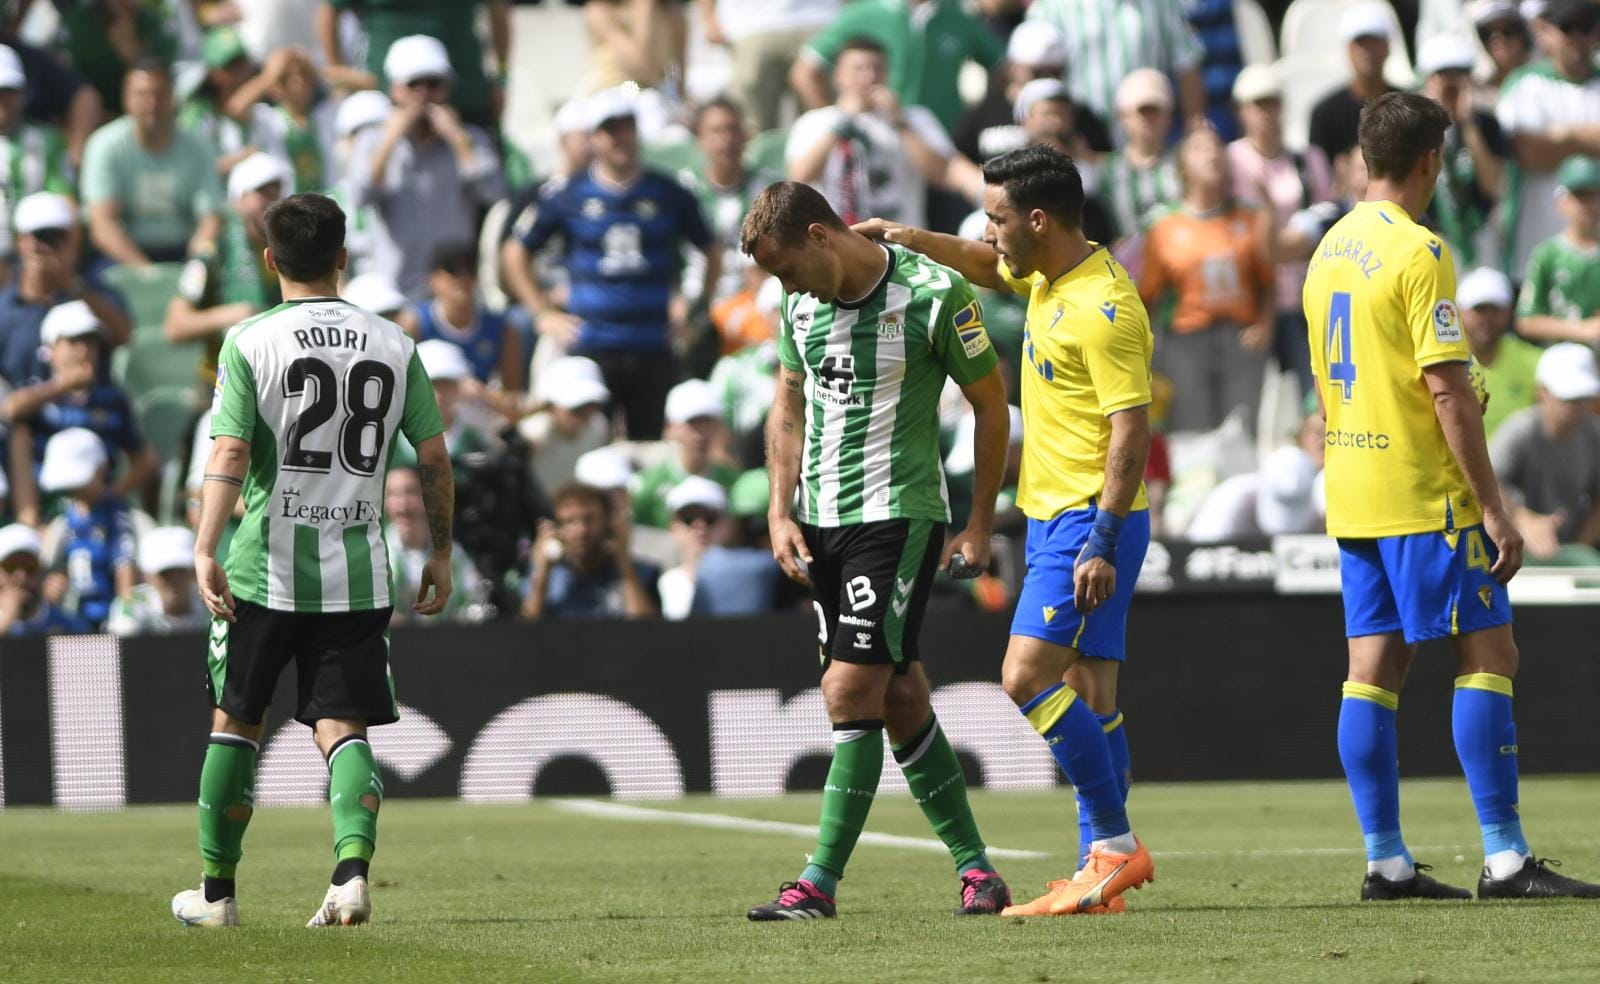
1504	35
583	565
699	510
573	422
699	440
1503	361
218	291
1268	174
24	608
1551	115
1141	178
94	533
76	395
48	246
38	152
367	239
1366	29
547	266
150	186
167	599
993	127
1475	152
376	293
467	420
1547	458
427	173
409	543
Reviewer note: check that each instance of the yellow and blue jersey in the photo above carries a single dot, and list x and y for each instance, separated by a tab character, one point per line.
1087	343
1380	308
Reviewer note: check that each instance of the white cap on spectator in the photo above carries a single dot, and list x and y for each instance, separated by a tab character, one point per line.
1444	53
43	210
19	538
610	104
1365	20
1531	9
1255	83
697	491
1143	87
374	292
443	361
1036	42
1567	370
1283	499
361	109
416	56
961	457
1035	92
692	399
571	382
607	469
71	457
1485	11
572	117
1485	285
70	319
11	74
256	172
166	548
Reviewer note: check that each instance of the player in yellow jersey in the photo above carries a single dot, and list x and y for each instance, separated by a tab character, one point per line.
1086	435
1426	547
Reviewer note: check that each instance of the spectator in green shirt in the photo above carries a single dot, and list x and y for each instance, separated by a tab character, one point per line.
1505	362
151	188
699	442
218	291
927	42
35	154
476	96
205	111
1561	286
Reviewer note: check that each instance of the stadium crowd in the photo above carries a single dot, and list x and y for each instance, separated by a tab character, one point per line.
602	353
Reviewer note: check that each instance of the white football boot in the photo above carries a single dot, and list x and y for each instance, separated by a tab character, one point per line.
349	904
191	908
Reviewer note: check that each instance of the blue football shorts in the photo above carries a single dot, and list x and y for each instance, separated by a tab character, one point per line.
1045	607
1426	585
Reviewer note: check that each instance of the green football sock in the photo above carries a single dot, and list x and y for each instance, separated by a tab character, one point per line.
934	774
354	791
846	799
227	797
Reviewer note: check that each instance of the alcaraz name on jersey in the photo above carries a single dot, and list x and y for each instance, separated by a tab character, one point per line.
318	388
874	371
1380	303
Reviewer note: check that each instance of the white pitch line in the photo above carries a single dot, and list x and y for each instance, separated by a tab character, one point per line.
622	811
722	821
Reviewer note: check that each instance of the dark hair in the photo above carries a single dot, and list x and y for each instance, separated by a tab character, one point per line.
582	494
1397	130
458	258
724	102
305	233
784	211
862	43
1039	177
150	64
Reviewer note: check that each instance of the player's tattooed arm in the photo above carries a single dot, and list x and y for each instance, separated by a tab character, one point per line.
784	441
438	491
1125	459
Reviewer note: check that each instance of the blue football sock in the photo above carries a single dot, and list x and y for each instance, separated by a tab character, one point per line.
1117	742
1369	751
1486	743
1079	745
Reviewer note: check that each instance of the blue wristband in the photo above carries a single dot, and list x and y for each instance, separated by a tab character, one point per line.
1103	538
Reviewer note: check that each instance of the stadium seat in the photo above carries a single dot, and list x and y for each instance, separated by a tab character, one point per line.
1256	43
1311	27
148	365
1306	79
148	291
166	414
673	157
765	152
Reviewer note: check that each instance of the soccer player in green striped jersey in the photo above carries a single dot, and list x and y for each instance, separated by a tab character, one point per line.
310	399
869	335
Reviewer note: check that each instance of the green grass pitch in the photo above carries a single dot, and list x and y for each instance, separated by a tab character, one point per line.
1255	883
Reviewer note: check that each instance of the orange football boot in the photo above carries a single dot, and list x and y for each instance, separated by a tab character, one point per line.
1105	876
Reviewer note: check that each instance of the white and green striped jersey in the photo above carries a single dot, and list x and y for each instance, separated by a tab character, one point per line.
319	388
1137	195
874	371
